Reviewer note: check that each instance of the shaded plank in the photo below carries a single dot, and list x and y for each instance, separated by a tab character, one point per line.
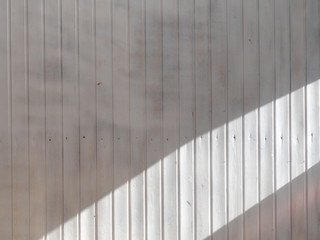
282	116
219	118
121	90
235	121
203	118
154	117
138	140
170	118
88	129
251	120
267	95
71	167
19	111
313	76
5	126
54	163
37	121
187	119
298	121
104	119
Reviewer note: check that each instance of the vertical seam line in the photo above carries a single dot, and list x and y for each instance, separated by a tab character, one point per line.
179	131
227	123
274	126
290	117
259	130
26	35
243	126
79	107
195	120
129	129
112	79
96	118
210	124
306	117
45	109
146	120
62	128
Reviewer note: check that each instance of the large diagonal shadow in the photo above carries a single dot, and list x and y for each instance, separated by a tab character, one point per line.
155	128
283	207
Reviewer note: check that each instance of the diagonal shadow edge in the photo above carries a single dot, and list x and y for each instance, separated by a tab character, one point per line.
215	125
284	205
234	222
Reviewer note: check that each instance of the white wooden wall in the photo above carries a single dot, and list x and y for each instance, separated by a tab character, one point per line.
159	119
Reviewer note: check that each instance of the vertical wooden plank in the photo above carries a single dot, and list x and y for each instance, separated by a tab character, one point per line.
170	118
37	121
177	78
154	117
235	121
19	95
5	126
104	119
203	118
298	81
313	76
70	120
219	118
121	90
138	140
187	118
251	120
267	91
53	101
87	119
282	115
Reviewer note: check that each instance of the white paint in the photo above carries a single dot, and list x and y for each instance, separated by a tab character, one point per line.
182	119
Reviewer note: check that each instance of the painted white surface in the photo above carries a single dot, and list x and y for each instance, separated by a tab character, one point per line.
171	119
